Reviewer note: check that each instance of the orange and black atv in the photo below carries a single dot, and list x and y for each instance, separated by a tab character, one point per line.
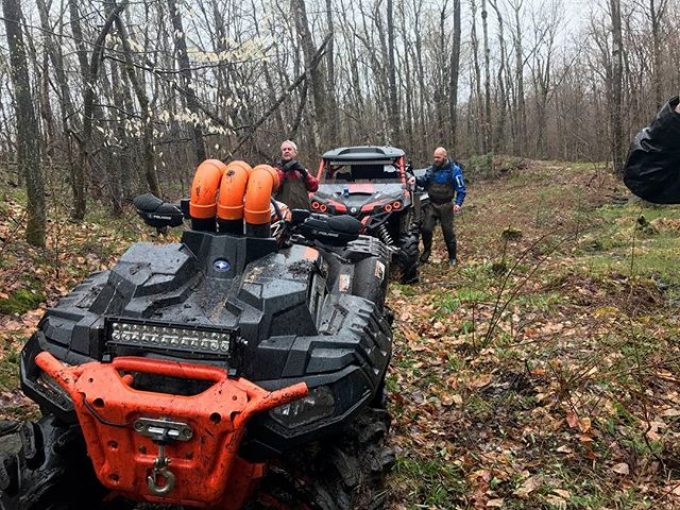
236	369
370	183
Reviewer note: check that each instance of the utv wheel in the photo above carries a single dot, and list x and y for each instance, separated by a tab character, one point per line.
344	473
406	260
44	466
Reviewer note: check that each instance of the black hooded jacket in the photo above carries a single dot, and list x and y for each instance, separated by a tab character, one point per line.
652	171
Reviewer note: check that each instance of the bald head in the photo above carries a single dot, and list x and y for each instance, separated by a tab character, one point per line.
440	156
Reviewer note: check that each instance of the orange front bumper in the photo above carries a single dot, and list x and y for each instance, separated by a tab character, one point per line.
206	468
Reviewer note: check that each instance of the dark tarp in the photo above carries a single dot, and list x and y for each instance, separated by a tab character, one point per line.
652	171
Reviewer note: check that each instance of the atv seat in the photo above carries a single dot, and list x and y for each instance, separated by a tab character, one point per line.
157	213
345	224
333	230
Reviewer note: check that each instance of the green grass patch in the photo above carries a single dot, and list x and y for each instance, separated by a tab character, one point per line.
540	301
435	482
9	371
21	301
617	244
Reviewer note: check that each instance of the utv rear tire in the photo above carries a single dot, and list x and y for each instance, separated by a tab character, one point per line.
406	259
343	473
44	466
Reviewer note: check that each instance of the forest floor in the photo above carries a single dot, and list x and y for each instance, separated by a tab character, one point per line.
541	373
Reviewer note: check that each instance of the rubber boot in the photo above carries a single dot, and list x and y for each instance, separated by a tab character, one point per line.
427	247
451	247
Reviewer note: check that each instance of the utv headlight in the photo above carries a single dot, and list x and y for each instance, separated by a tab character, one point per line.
171	337
320	403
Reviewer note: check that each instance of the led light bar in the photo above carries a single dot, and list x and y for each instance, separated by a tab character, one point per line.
170	337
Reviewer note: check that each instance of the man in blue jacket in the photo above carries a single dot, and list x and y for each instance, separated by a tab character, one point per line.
443	181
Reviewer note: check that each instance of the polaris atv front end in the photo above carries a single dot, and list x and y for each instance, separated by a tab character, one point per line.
166	448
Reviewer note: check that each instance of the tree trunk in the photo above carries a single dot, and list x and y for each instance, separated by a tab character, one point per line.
657	9
408	82
78	171
28	144
395	128
123	189
333	111
149	160
501	103
454	76
58	67
521	112
616	107
441	82
187	85
316	77
488	133
479	123
420	68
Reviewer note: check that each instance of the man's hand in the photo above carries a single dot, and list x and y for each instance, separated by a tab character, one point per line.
456	208
677	108
411	181
295	165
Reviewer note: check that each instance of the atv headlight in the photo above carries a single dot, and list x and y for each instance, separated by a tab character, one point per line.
54	391
171	337
320	403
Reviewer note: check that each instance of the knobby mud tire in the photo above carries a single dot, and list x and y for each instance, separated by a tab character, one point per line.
406	260
44	466
347	472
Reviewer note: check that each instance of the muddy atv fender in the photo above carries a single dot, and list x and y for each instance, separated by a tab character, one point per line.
346	472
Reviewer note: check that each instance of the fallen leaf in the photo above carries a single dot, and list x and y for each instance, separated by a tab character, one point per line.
450	400
556	502
572	419
484	474
562	493
653	436
564	449
584	424
481	381
530	485
621	469
495	503
13	325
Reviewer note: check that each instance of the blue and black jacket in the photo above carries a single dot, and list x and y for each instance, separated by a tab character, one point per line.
449	174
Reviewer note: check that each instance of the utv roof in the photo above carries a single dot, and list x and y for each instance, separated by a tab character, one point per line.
363	153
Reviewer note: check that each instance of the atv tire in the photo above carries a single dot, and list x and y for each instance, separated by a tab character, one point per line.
44	466
344	473
406	260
